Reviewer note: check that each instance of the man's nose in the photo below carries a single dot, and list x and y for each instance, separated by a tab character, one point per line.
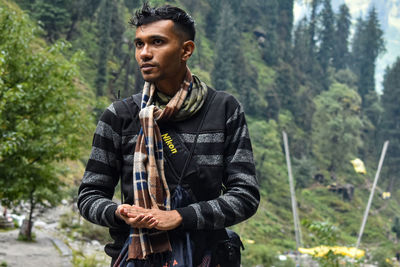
145	53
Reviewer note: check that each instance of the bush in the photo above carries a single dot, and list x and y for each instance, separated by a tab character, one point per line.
85	229
80	260
382	256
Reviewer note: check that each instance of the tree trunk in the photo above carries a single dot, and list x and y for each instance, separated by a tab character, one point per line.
26	228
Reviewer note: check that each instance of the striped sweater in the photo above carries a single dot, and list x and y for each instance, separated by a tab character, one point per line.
225	185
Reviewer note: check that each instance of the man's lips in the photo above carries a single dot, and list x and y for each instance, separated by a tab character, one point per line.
147	67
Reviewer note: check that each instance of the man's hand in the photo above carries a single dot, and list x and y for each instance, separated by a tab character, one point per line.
138	217
166	220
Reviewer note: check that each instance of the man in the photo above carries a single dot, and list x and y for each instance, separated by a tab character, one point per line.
143	142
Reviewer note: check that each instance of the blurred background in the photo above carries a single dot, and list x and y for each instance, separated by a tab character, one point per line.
326	72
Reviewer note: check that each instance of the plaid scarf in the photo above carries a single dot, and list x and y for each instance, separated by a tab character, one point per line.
149	183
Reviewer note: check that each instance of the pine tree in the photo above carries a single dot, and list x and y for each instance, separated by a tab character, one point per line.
301	48
271	46
285	26
390	126
341	43
132	4
313	25
244	82
104	24
54	15
212	18
368	44
326	36
226	49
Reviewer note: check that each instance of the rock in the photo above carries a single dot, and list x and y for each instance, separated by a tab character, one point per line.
95	243
6	222
40	224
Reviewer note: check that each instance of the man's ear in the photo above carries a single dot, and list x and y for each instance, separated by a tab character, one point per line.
188	48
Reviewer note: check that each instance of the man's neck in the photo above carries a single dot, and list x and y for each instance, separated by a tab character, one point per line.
170	87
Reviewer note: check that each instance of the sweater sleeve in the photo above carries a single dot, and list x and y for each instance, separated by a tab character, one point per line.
241	195
102	173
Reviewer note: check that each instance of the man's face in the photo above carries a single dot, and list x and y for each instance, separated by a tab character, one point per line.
159	51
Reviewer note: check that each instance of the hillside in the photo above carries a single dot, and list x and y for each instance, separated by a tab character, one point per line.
309	79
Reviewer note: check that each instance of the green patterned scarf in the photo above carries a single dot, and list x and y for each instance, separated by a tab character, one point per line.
193	102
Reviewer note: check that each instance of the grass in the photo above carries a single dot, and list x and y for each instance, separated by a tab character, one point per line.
81	260
85	229
24	238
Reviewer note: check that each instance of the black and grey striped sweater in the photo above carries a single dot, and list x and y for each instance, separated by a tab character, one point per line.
223	154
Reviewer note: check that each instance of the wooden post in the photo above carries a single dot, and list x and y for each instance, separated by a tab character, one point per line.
372	193
296	221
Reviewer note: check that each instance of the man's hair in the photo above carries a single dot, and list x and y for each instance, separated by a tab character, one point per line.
183	22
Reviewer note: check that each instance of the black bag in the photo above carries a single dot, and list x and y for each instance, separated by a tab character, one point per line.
227	252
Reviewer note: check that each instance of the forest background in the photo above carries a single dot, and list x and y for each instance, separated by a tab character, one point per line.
62	62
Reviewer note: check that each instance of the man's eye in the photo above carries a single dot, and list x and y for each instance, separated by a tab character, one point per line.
158	41
138	44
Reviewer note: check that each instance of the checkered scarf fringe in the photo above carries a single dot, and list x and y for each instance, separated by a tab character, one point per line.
149	183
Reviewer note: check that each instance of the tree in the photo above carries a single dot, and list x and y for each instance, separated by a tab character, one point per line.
396	227
341	42
368	44
266	138
336	126
54	15
326	36
301	48
285	26
270	24
212	18
104	24
244	82
226	50
43	112
313	25
390	125
262	17
132	4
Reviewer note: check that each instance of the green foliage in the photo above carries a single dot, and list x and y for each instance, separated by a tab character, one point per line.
54	15
396	227
266	143
79	259
342	33
304	170
336	126
104	24
25	238
243	47
383	255
260	254
325	233
85	229
325	53
227	50
391	117
43	111
368	44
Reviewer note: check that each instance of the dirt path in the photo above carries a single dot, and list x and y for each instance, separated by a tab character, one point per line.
35	254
